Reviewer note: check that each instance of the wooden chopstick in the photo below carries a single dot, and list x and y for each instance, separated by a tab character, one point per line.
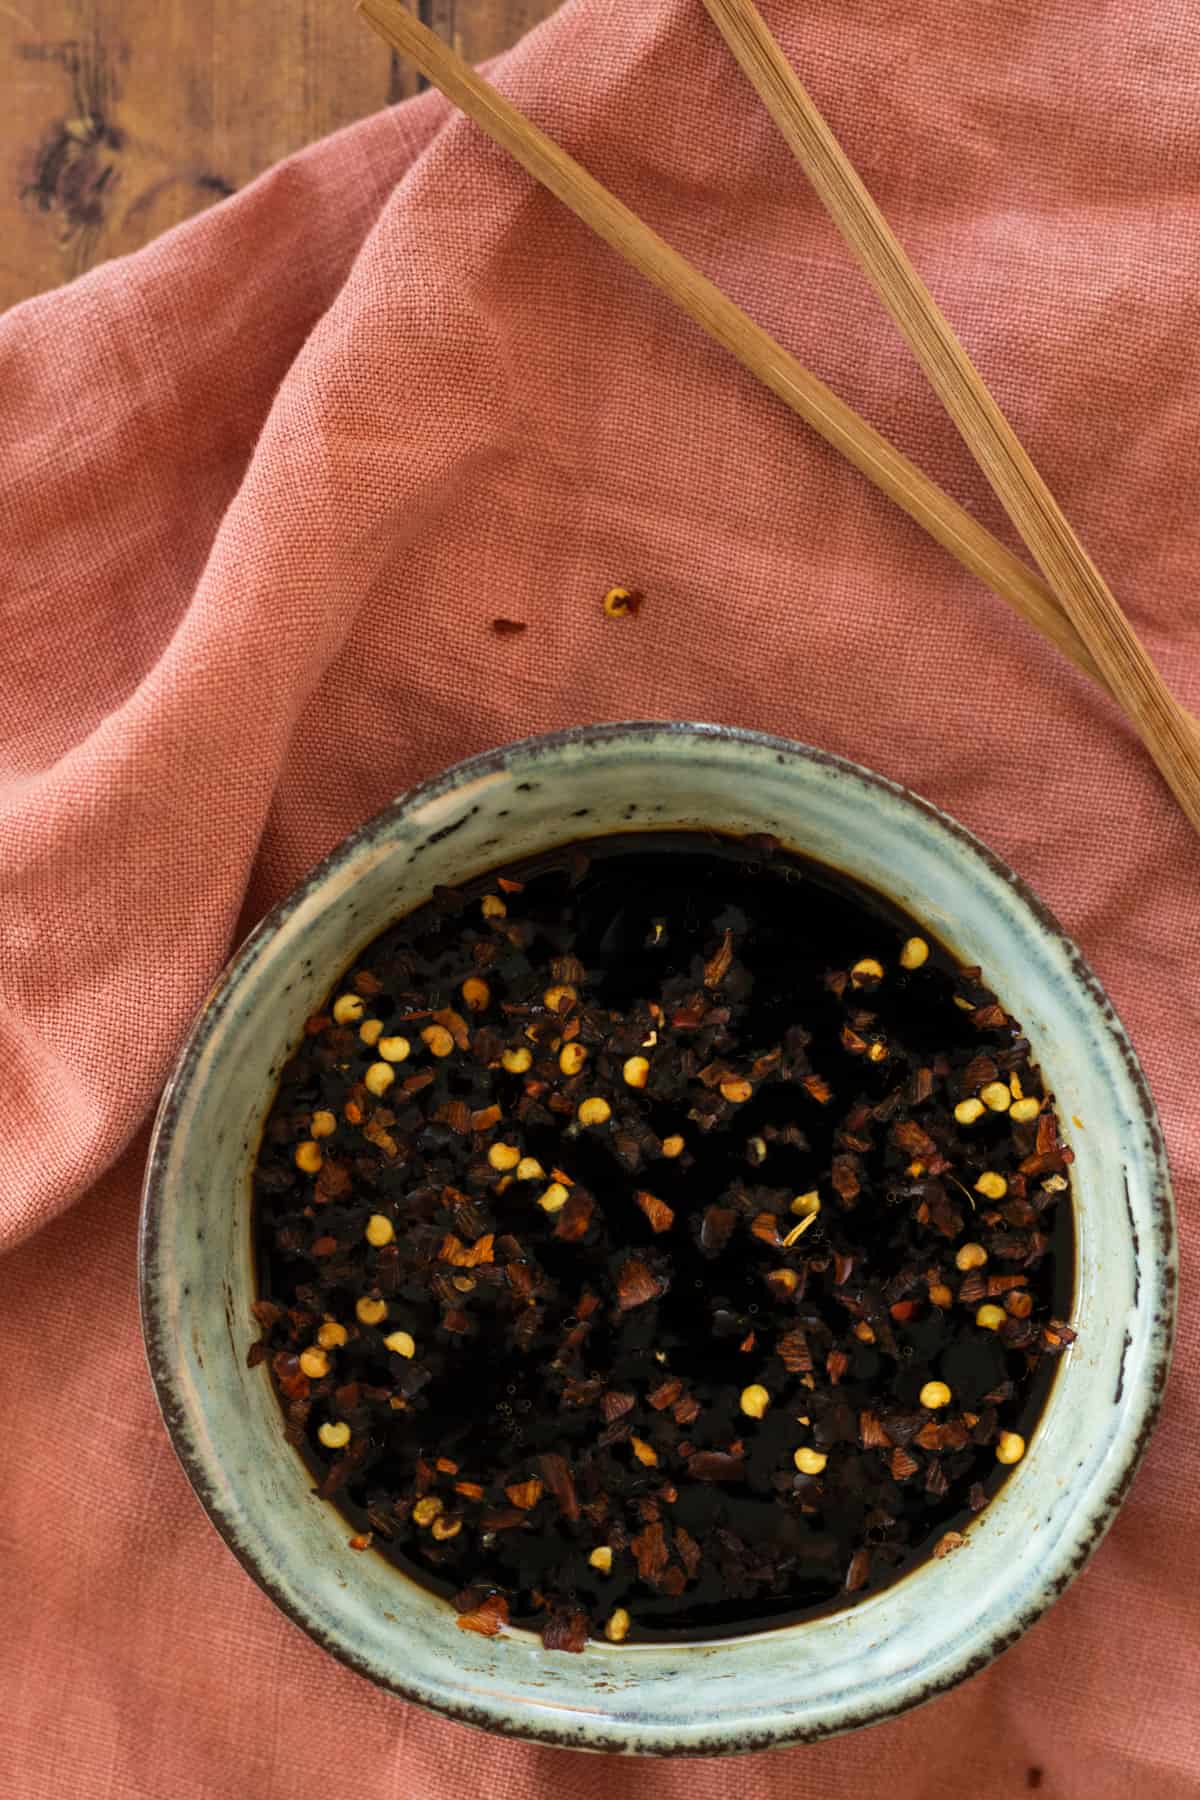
1167	731
945	521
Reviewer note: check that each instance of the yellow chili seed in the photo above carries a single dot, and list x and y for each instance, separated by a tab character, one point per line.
348	1009
308	1157
331	1336
967	1111
504	1156
996	1096
1010	1447
446	1528
554	1198
934	1394
971	1256
864	1332
755	1401
636	1071
616	1629
401	1343
940	1295
370	1031
438	1040
379	1231
645	1453
990	1318
991	1185
369	1311
866	972
379	1078
601	1558
493	907
334	1434
737	1091
394	1049
323	1124
594	1112
476	994
914	953
571	1058
517	1061
427	1510
1025	1111
618	602
314	1363
810	1462
673	1146
529	1169
804	1204
557	999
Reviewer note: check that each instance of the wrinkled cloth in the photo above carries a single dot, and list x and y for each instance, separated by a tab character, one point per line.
264	488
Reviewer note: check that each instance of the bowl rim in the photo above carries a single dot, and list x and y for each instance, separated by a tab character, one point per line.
157	1342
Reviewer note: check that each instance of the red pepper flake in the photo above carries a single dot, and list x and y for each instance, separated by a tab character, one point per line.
466	1256
575	1217
859	1571
765	1227
615	1405
565	1631
948	1542
989	1018
902	1465
794	1353
361	1540
686	1410
636	1285
688	1550
508	627
715	1465
717	967
470	1490
650	1549
844	1178
664	1395
525	1494
657	1211
502	1519
487	1618
817	1088
909	1137
508	886
871	1432
324	1246
836	1364
561	1483
333	1182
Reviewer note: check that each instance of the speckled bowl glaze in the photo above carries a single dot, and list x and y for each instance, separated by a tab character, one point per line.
795	1683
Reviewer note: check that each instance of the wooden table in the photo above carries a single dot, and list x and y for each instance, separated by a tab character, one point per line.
125	116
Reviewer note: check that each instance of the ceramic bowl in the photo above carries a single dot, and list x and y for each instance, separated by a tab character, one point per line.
800	1682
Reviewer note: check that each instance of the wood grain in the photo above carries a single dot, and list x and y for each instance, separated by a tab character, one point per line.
125	116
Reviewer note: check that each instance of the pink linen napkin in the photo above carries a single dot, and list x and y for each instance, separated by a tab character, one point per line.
265	486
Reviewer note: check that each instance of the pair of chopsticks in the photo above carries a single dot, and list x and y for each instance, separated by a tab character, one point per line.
1072	606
